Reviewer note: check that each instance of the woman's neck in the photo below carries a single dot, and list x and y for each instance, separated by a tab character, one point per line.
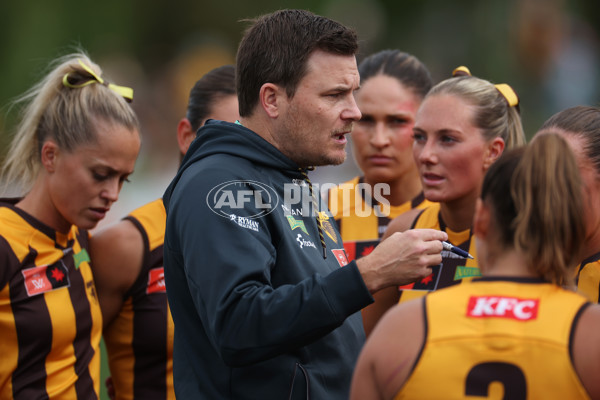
38	204
505	263
592	244
458	214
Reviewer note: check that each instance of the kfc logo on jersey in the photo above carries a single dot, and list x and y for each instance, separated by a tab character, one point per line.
503	307
156	281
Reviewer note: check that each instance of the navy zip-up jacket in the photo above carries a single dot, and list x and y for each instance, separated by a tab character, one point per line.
258	312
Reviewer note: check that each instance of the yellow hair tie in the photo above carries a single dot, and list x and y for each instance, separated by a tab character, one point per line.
123	91
461	71
505	90
509	94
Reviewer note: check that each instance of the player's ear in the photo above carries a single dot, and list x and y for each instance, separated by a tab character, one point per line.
272	99
493	151
49	155
185	135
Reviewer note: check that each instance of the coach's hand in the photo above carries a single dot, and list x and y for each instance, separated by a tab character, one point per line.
402	258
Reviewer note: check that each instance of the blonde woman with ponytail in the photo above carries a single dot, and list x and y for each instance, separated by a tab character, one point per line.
462	126
75	146
520	331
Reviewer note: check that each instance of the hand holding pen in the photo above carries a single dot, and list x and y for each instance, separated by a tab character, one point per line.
456	250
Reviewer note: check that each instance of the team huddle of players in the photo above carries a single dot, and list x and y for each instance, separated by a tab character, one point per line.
519	319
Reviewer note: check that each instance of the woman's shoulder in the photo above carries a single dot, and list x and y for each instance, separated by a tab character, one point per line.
404	221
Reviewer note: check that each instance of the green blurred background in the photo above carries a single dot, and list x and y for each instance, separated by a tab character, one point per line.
548	50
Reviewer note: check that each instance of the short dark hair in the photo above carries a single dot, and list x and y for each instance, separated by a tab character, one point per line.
276	49
214	85
404	67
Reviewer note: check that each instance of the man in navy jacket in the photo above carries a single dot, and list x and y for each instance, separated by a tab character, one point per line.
265	304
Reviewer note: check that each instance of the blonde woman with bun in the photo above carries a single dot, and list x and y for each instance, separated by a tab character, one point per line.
462	126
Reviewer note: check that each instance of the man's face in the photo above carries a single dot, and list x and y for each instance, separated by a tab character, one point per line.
312	125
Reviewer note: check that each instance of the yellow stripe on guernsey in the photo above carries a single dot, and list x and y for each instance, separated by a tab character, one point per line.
7	343
588	280
170	337
153	218
143	330
60	362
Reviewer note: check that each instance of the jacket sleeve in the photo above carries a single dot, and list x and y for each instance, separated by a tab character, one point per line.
228	269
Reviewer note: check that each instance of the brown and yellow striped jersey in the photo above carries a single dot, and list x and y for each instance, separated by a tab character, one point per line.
139	341
50	320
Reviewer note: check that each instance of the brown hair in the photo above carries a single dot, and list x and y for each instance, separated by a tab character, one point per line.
68	115
582	122
404	67
542	217
276	49
213	86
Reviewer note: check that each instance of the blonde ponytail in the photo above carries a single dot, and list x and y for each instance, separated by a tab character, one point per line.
67	114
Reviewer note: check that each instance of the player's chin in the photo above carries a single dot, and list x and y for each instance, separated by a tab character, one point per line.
435	194
337	158
331	157
88	221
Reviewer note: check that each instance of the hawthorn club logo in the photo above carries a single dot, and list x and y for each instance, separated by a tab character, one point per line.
327	227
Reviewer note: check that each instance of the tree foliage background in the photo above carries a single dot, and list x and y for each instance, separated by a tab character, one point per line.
547	50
